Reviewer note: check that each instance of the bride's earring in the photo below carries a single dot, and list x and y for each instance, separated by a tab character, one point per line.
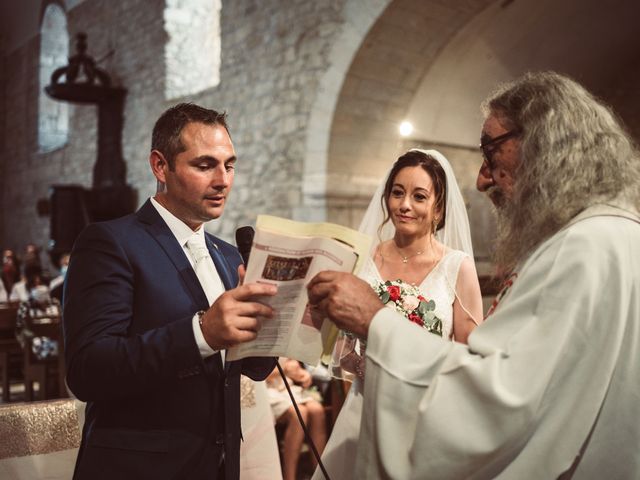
434	225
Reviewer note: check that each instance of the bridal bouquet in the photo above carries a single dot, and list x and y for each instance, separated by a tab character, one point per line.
408	300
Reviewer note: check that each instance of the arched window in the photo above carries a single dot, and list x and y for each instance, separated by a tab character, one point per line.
192	52
53	115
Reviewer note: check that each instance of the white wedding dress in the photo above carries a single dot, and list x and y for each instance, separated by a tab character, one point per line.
259	456
439	285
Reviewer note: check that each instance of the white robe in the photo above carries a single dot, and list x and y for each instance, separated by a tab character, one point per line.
558	361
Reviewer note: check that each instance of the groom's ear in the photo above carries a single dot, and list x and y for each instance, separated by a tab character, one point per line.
159	165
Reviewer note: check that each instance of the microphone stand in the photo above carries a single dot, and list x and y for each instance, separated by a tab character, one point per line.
304	427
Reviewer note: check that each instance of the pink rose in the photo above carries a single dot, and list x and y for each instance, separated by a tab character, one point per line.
410	302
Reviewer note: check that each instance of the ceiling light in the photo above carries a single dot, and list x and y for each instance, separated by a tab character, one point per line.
406	129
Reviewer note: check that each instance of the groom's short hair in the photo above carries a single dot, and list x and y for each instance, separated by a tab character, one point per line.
168	128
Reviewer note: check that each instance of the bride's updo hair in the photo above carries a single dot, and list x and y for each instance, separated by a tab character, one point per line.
415	158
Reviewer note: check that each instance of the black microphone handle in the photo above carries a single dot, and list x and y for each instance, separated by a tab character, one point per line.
244	241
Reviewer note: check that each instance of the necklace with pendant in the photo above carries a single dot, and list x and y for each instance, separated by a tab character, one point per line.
405	259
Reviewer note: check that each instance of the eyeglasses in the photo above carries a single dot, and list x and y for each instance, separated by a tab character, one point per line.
487	153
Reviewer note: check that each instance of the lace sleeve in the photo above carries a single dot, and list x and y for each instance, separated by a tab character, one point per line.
452	270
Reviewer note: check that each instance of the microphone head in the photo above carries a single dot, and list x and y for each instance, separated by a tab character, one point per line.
244	240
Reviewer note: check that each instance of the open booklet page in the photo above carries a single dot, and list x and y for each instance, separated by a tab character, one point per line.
289	254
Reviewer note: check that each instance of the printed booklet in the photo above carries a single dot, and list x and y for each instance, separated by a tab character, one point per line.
289	254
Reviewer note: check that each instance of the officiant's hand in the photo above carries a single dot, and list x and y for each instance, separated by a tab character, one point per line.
347	300
235	316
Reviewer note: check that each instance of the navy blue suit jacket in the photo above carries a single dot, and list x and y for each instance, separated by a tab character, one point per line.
155	408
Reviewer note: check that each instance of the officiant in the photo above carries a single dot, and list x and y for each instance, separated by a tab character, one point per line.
547	386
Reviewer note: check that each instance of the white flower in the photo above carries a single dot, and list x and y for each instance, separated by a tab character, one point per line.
410	302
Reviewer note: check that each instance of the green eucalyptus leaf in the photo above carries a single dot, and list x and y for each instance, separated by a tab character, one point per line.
438	326
422	308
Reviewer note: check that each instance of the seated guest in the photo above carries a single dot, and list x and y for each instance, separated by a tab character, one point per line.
33	278
38	304
31	255
310	407
3	294
56	285
10	271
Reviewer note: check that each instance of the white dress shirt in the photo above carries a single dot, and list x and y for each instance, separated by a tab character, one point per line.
183	232
19	292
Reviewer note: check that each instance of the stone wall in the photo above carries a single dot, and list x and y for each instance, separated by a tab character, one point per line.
20	158
272	60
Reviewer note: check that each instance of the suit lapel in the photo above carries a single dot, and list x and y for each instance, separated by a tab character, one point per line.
163	235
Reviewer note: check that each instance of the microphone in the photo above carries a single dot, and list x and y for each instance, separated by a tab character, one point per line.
244	240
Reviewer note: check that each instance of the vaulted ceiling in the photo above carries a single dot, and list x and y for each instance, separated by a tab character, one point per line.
432	62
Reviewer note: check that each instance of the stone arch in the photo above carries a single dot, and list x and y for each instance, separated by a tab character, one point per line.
359	15
53	116
377	92
359	81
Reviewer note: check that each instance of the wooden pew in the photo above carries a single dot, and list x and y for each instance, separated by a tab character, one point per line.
10	351
48	372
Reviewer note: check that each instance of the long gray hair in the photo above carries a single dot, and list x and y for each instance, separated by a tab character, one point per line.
573	151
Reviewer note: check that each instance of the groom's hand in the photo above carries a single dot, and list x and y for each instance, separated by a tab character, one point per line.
242	271
347	300
236	315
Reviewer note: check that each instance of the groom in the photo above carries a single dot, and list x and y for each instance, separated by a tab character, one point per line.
151	304
548	386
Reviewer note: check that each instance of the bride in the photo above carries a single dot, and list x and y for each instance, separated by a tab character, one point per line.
419	222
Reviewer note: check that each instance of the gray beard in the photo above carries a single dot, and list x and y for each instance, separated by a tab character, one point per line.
506	247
